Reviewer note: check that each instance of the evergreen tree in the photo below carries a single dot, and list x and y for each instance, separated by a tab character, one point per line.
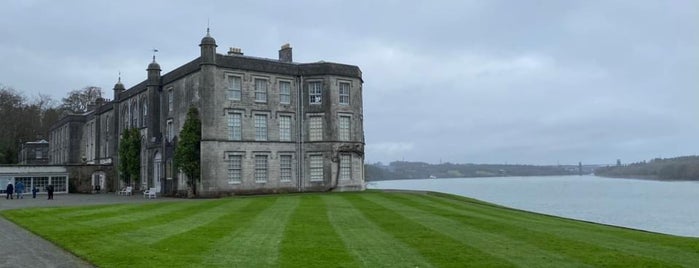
130	155
187	152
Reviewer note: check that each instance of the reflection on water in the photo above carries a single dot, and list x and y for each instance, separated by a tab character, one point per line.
665	207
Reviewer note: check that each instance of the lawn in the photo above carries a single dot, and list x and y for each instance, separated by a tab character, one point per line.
370	229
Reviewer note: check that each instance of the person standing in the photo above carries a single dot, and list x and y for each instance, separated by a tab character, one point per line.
49	189
34	191
19	188
9	190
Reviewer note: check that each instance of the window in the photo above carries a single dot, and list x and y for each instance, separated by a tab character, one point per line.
125	117
170	99
144	112
134	114
316	169
285	168
345	166
260	127
260	90
260	168
315	91
234	87
106	136
285	128
284	92
344	128
235	168
169	134
315	128
235	126
59	183
39	154
345	93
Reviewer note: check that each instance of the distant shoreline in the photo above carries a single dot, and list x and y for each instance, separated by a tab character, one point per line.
643	177
639	177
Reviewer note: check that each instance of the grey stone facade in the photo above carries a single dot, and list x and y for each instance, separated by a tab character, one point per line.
268	125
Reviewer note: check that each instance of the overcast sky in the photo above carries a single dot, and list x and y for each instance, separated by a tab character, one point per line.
528	82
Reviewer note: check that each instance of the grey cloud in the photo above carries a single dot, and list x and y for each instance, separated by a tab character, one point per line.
462	81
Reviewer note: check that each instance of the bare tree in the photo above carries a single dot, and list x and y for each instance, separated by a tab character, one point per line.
78	99
23	120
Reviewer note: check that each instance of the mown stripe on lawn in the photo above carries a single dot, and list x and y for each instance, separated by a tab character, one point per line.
605	236
366	241
574	248
137	213
257	243
171	251
87	238
88	211
154	233
440	249
515	251
310	241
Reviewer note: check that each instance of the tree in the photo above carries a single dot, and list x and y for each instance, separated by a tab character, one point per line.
78	99
130	155
36	116
187	152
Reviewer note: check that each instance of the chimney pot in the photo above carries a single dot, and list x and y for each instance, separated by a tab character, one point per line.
234	51
285	54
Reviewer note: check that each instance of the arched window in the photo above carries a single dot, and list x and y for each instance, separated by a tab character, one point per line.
125	116
144	111
134	113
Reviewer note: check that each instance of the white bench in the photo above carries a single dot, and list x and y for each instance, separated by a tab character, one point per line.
127	191
150	193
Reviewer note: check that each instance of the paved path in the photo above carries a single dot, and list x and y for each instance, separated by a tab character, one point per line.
20	248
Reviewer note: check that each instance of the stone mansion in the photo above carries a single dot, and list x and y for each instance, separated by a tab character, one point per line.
268	125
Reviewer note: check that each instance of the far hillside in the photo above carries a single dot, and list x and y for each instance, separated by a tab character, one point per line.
419	170
678	168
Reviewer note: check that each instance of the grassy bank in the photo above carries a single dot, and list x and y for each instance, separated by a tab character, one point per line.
371	229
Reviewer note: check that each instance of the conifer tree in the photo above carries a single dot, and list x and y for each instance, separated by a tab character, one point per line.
130	155
187	152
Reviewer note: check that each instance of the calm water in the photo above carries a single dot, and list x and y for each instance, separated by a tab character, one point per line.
665	207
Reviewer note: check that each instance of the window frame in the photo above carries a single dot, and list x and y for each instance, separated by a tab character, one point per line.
261	168
170	99
315	133
261	95
346	95
231	158
344	133
345	167
261	129
315	92
286	173
283	94
231	91
169	130
315	167
230	116
284	129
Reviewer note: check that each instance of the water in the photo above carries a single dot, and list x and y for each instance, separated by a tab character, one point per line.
657	206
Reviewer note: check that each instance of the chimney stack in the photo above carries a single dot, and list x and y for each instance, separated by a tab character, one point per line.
235	51
285	53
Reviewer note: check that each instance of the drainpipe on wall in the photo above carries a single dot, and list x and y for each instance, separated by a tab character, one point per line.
300	116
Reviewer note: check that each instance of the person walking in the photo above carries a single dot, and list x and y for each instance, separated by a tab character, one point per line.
19	188
9	190
49	189
34	191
